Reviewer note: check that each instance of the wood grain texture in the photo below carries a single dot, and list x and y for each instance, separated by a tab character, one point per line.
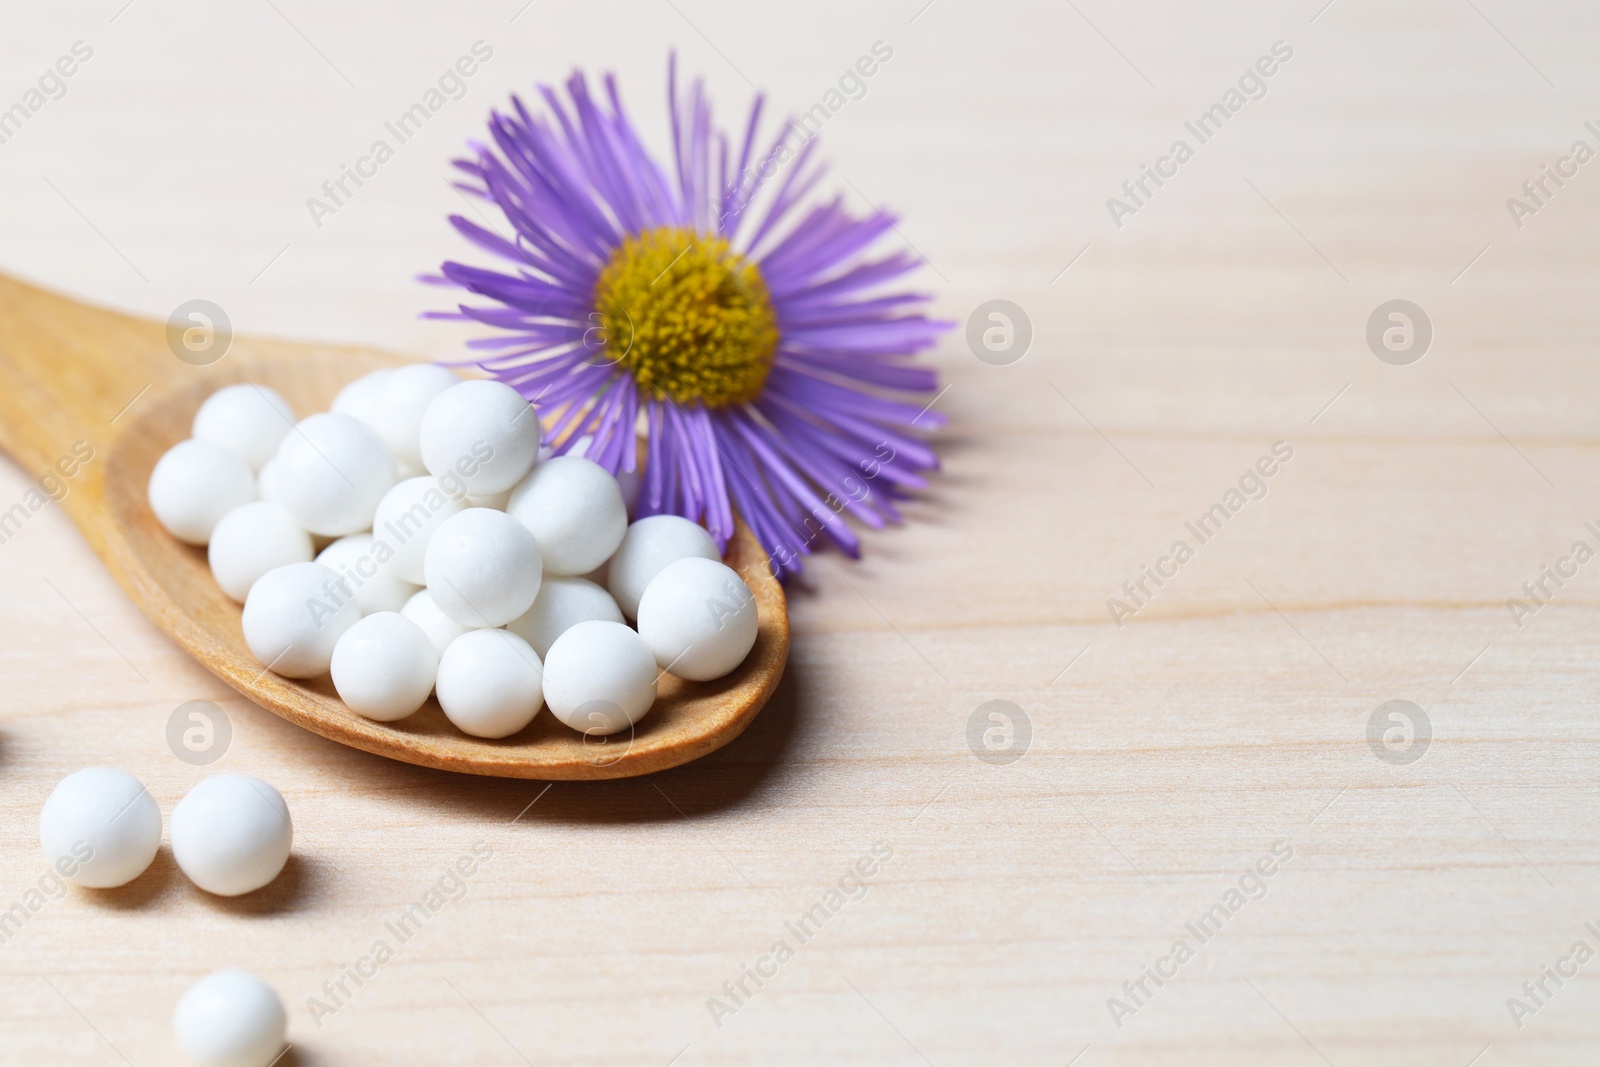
1166	756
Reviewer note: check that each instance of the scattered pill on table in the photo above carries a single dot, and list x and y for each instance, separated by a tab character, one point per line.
100	828
231	834
231	1018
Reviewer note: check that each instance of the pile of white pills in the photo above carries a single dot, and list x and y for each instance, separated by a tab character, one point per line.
415	540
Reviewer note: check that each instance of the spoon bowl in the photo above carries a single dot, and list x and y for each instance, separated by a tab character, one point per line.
72	373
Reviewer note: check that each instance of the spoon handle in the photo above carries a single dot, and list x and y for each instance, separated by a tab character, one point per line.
67	373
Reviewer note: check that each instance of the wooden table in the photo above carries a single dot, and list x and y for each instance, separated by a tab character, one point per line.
1220	731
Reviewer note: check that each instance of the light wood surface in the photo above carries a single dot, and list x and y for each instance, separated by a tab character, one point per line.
1166	756
70	373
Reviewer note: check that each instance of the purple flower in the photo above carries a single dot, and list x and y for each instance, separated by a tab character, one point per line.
742	328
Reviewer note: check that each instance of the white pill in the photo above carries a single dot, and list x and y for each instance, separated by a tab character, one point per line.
491	683
484	431
627	481
196	483
576	513
367	567
408	515
266	481
600	677
384	667
231	834
440	628
699	619
483	567
362	399
100	828
251	540
294	616
248	420
650	545
231	1018
406	393
332	471
562	603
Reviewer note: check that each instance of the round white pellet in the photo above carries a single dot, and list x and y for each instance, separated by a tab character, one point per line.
484	431
248	420
362	399
294	616
231	834
196	483
562	603
699	619
483	567
408	515
576	513
367	567
650	545
384	667
490	683
599	677
406	394
332	471
251	540
627	481
231	1018
266	481
100	828
440	628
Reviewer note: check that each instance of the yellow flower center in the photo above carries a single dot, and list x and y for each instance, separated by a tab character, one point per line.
687	316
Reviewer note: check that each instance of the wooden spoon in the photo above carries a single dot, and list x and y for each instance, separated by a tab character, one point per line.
71	373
